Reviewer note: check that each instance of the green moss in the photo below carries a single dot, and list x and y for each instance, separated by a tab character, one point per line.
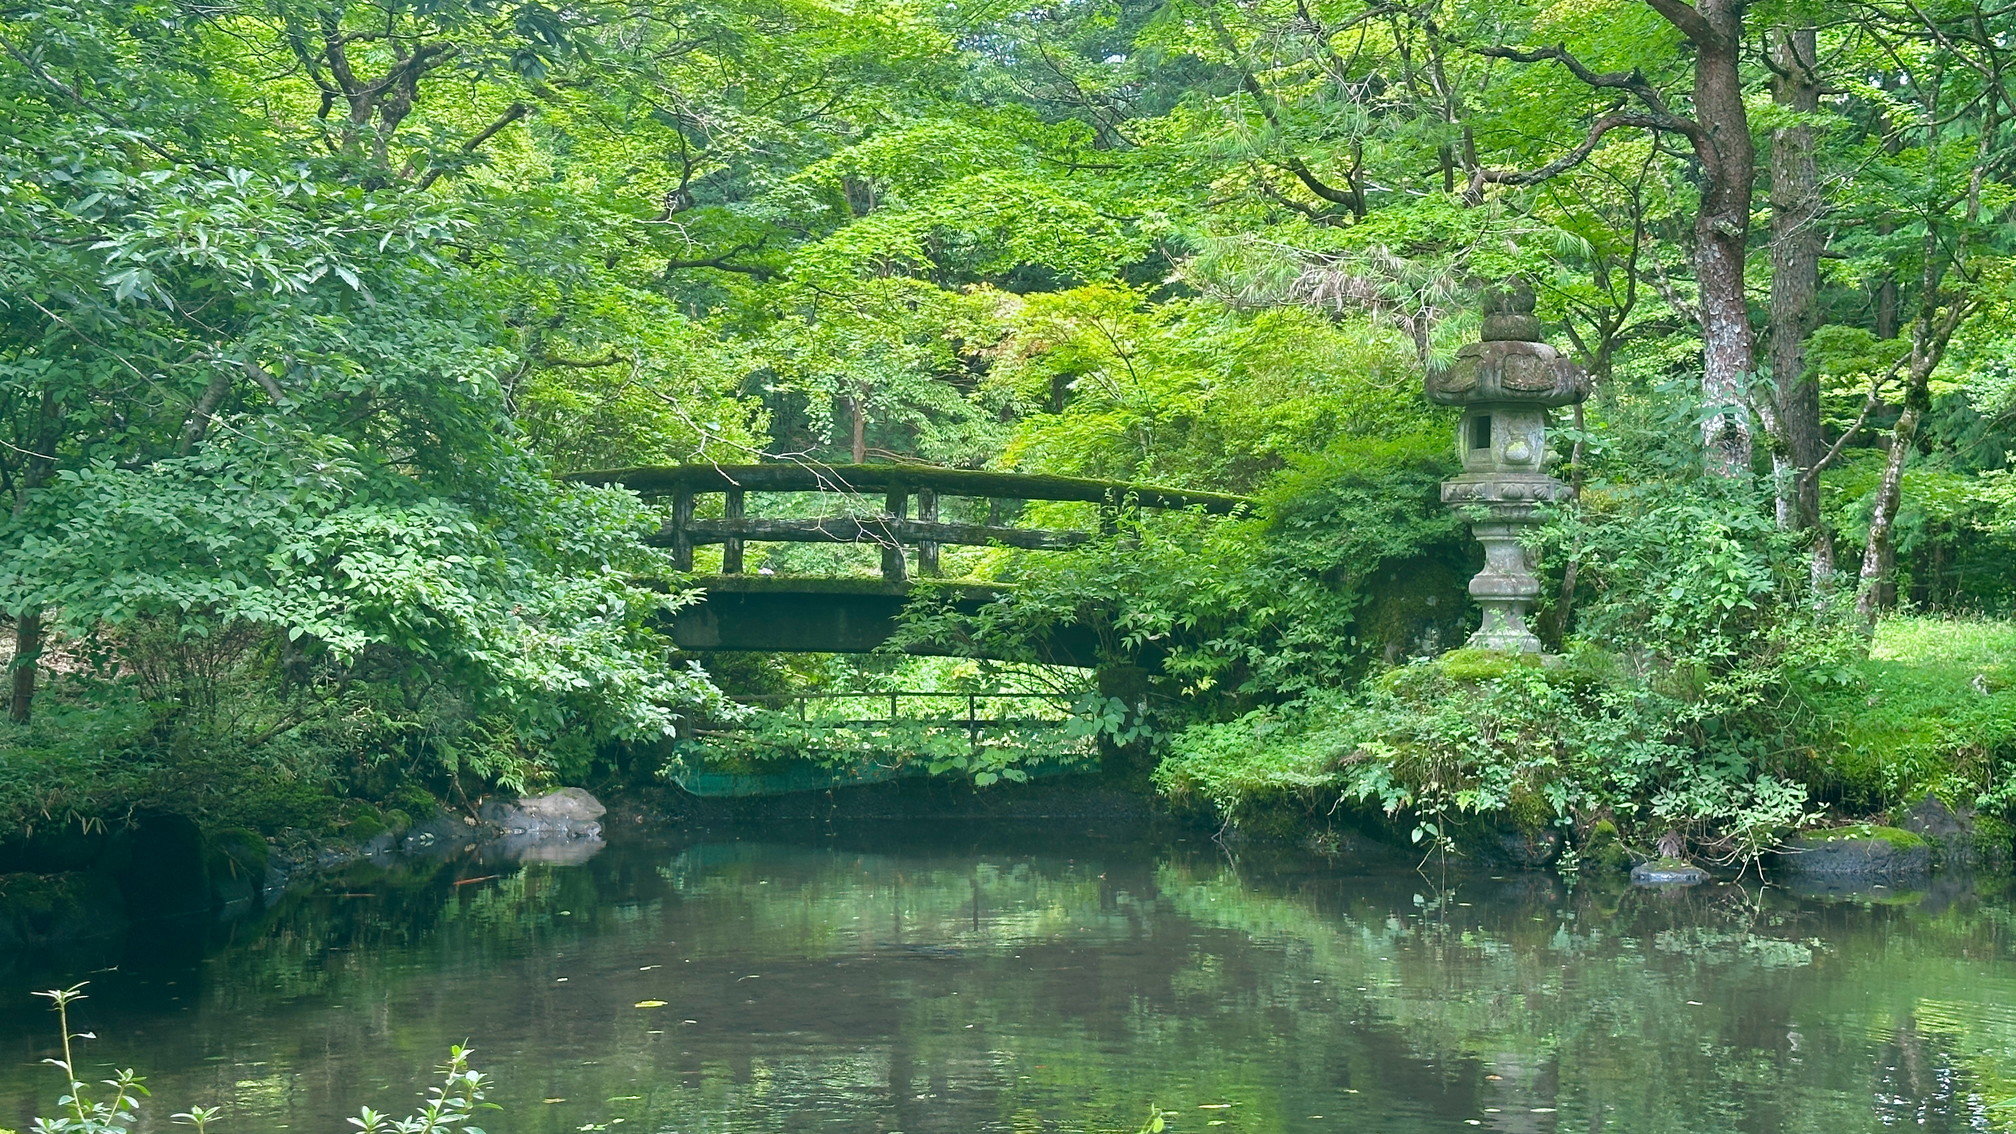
1604	847
412	799
1528	811
237	852
364	827
1409	605
1895	836
1470	664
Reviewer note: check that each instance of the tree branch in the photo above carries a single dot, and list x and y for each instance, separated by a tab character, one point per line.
1875	399
266	382
1632	82
610	359
721	263
1479	177
1293	164
511	114
1691	23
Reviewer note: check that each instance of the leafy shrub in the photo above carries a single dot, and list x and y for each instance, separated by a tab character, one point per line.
1303	595
1697	657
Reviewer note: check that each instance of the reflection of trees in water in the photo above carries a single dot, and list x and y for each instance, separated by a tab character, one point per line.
1922	1083
935	987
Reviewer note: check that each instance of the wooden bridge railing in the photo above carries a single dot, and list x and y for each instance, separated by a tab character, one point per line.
971	720
893	528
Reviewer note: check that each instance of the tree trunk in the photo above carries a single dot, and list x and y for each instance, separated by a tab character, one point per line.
858	407
1879	553
28	628
1728	176
1931	330
1795	289
27	651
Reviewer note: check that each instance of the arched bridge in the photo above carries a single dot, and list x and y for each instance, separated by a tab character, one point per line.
711	505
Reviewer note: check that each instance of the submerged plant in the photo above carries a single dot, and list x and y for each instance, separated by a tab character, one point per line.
82	1110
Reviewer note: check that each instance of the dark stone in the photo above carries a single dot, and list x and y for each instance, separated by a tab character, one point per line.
1958	837
1857	852
1529	849
54	909
236	865
435	834
1938	823
160	864
55	849
1417	608
1668	872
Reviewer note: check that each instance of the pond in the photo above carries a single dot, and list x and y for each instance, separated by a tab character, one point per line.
870	980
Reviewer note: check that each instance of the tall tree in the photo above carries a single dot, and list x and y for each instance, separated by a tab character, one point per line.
1718	133
1797	240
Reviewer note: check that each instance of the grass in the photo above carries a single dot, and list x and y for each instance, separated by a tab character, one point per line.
1932	710
1953	647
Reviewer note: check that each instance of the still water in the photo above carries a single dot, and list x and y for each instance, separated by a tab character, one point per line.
969	980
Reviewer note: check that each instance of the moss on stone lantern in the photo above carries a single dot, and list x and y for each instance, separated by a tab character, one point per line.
1506	383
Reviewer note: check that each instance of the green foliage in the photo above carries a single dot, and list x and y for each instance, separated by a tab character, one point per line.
1932	709
1249	607
1698	656
1432	748
83	1109
858	738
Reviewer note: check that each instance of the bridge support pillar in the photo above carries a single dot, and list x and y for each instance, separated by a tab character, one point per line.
896	505
1126	765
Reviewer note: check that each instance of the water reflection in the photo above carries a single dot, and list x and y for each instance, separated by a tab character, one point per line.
1021	980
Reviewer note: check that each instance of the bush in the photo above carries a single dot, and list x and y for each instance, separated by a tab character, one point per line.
1696	659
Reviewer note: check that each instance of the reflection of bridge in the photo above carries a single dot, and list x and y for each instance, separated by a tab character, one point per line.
854	614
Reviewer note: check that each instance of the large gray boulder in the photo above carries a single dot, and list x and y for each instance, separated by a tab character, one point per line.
1959	838
569	813
1861	851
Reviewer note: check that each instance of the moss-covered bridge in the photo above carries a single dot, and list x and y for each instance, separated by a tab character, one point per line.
905	512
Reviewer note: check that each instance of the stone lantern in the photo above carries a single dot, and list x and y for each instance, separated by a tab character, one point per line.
1506	383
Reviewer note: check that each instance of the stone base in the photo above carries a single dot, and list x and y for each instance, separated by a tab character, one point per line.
1668	872
1857	852
1505	639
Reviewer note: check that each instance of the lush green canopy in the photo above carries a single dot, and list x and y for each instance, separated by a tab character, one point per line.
304	302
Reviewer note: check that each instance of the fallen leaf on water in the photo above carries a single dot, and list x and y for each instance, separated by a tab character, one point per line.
649	1004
